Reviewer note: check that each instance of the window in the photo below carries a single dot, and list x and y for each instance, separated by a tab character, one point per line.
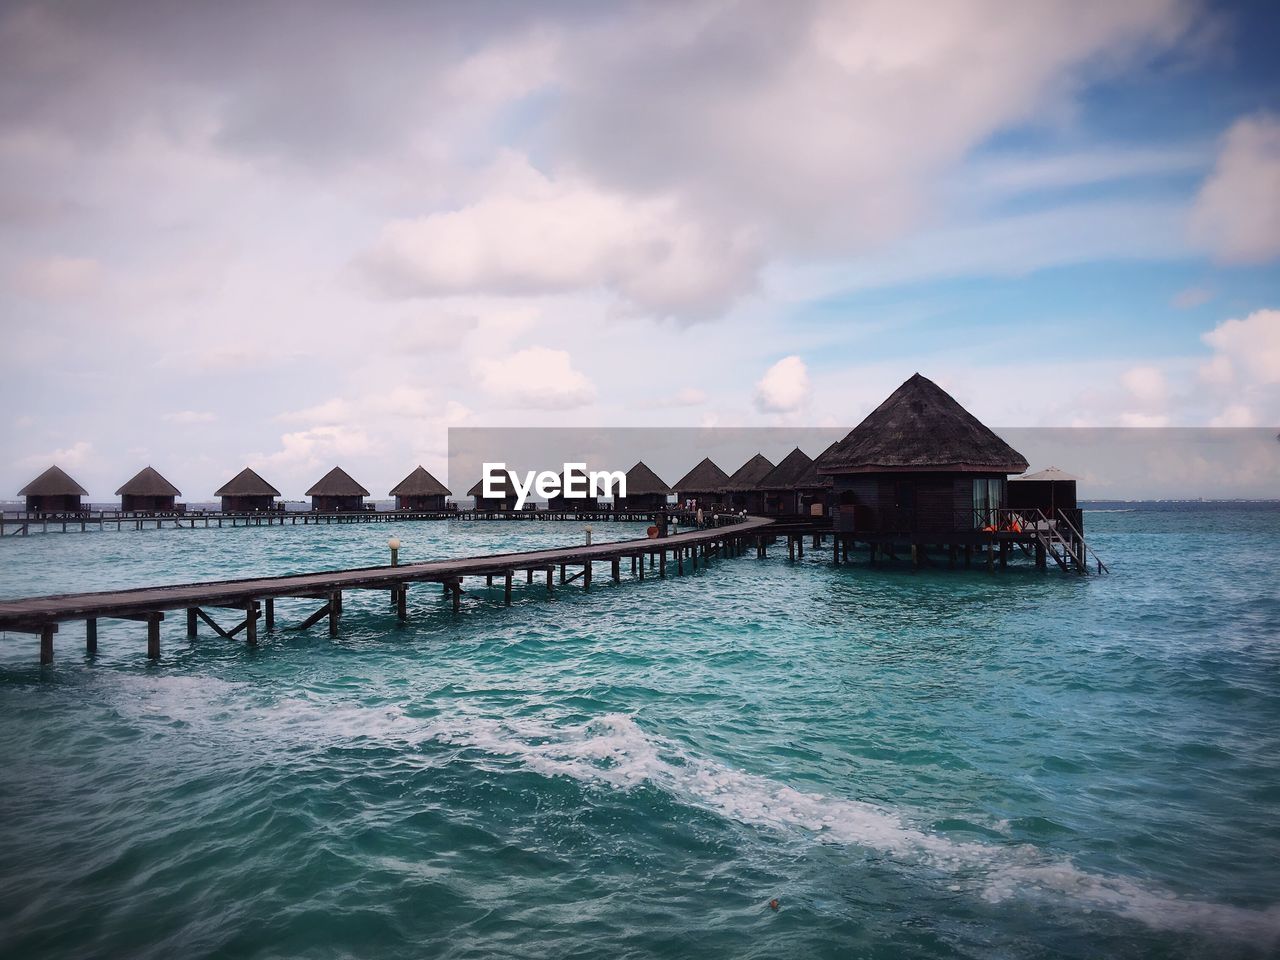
988	497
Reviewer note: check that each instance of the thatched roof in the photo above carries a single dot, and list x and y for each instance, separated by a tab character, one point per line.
748	475
921	427
149	483
706	477
795	466
54	482
420	483
503	485
337	483
642	482
247	483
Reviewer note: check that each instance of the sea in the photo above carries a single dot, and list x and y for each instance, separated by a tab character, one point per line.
761	759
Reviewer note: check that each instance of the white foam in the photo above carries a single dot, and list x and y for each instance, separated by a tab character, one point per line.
613	751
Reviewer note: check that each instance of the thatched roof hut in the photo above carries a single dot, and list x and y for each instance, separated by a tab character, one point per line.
793	486
247	492
704	483
919	464
53	492
337	492
503	485
646	491
560	503
740	487
420	491
148	492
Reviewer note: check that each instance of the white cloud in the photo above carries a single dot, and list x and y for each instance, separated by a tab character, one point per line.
1146	384
1237	212
1236	415
784	388
76	455
315	447
536	377
190	416
1249	347
532	234
1144	420
58	278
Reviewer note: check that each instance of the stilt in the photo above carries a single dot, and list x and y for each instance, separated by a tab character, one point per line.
251	623
191	621
1004	553
968	554
915	556
46	643
951	555
791	547
528	575
617	570
335	612
271	615
679	561
91	635
1041	558
402	603
662	563
457	596
586	575
153	635
551	590
800	547
506	590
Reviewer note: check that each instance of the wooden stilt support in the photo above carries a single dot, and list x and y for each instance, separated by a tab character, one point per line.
457	596
528	575
91	635
551	590
586	575
402	603
662	563
191	621
335	612
968	554
506	589
800	547
153	635
617	569
46	643
1041	557
271	615
251	623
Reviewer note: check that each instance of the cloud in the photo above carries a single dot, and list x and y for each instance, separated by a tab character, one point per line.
784	388
1146	384
536	377
316	446
1237	212
1191	297
1236	415
58	278
76	455
189	416
534	235
1246	349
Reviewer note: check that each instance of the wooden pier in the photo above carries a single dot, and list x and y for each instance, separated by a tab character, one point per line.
254	599
21	523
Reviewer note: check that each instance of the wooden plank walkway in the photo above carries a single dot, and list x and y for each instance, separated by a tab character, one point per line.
21	523
254	598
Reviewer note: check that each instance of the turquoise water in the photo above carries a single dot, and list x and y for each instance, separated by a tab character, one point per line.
933	764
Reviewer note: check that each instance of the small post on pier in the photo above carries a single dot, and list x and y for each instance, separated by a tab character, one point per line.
506	590
46	643
153	635
91	635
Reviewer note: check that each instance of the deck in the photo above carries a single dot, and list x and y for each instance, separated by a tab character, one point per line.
254	598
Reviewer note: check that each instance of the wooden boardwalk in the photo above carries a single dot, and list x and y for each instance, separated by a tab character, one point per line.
21	523
254	598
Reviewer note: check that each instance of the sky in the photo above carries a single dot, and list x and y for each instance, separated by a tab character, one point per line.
292	235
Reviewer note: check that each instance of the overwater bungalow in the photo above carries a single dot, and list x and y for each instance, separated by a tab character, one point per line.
562	504
421	492
704	484
506	502
740	489
148	492
919	467
53	492
792	488
336	492
646	491
247	492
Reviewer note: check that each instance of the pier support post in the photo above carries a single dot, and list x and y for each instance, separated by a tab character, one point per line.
251	623
506	590
586	575
1041	559
662	563
457	595
617	570
271	615
91	635
791	547
991	555
528	575
191	621
46	643
551	588
1004	553
968	554
335	612
402	602
153	635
